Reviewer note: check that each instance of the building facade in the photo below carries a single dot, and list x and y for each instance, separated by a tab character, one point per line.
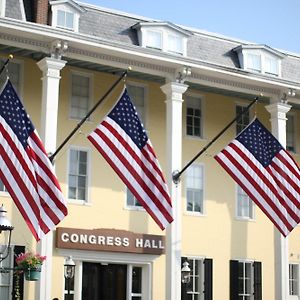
187	85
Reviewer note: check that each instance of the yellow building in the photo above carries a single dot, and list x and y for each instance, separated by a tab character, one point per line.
187	85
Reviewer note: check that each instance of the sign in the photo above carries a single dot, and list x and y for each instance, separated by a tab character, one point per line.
110	240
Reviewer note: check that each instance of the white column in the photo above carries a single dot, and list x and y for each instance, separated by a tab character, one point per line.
50	94
174	91
278	119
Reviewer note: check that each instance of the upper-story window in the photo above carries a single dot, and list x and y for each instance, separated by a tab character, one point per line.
65	19
245	207
194	189
193	116
80	95
243	119
66	14
163	36
78	174
260	59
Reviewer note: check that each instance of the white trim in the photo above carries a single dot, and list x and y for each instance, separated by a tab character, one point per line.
145	261
2	8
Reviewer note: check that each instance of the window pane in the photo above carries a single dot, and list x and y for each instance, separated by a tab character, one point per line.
290	133
175	44
271	66
60	18
254	62
154	39
136	280
80	96
243	121
77	179
193	116
137	96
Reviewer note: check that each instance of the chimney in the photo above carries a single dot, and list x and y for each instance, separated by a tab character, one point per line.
41	9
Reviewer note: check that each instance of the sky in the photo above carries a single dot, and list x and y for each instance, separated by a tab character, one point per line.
275	23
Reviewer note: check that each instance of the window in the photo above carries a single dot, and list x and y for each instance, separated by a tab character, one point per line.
194	189
154	39
294	279
200	284
244	205
65	19
80	97
193	117
131	201
245	280
260	59
243	121
271	66
163	36
78	165
137	96
175	44
290	133
8	280
254	62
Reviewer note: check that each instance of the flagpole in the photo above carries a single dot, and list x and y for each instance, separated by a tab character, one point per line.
10	56
176	174
87	116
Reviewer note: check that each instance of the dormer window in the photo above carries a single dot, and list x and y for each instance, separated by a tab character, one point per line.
66	14
260	59
162	36
65	19
154	39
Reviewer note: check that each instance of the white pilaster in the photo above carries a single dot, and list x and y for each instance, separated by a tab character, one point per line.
50	95
278	119
174	91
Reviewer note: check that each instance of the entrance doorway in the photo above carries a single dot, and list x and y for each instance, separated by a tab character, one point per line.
104	281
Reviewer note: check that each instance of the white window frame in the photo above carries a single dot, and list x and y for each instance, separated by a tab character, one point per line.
66	15
80	201
251	278
294	134
201	106
145	261
251	206
195	213
263	55
296	280
165	32
89	100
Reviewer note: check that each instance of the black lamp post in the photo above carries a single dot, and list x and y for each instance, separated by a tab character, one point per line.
69	268
5	234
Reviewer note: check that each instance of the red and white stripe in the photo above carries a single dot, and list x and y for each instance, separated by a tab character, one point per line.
29	178
275	189
138	169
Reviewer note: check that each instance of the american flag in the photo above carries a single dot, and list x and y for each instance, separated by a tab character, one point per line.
123	142
266	172
25	168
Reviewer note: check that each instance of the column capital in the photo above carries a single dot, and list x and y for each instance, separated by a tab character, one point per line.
51	66
278	110
174	90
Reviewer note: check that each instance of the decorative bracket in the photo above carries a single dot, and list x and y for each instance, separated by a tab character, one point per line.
183	73
58	48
